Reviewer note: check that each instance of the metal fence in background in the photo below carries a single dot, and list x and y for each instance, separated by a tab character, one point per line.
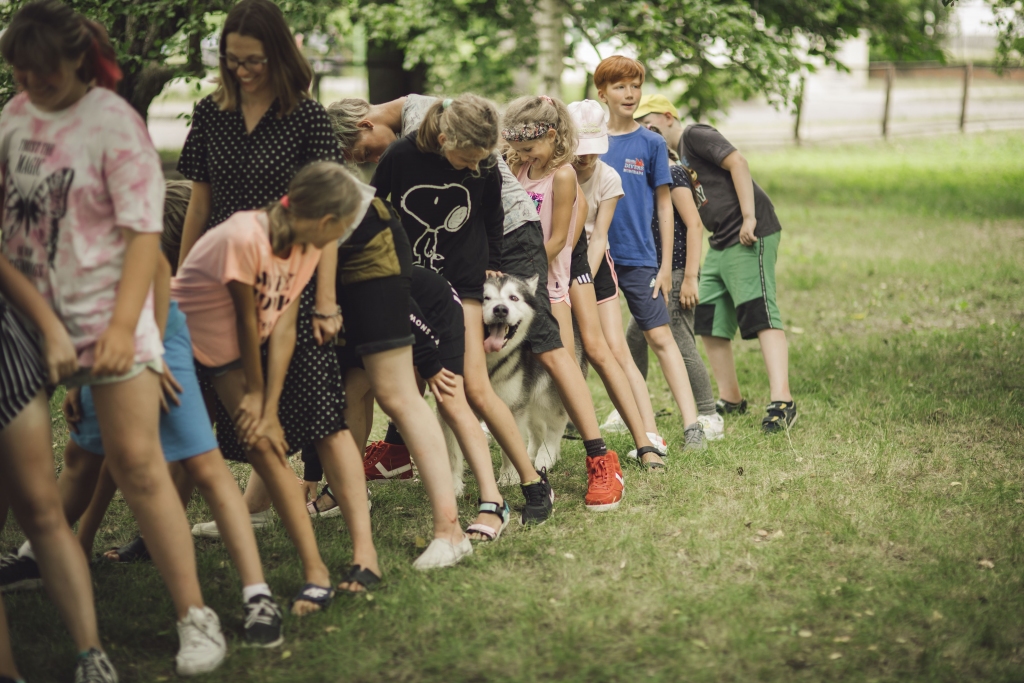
884	101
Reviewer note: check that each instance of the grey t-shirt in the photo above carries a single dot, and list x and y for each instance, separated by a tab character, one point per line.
519	208
703	149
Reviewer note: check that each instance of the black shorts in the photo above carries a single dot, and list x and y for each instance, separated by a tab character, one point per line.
579	267
438	323
523	255
606	285
373	285
22	374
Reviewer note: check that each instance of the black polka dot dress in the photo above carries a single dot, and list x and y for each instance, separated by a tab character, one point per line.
248	171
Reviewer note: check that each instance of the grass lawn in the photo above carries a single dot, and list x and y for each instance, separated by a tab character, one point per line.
882	540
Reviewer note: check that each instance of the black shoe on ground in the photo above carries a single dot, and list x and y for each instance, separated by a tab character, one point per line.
95	667
723	407
539	499
19	573
263	622
781	416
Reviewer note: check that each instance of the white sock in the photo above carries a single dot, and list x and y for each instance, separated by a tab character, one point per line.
26	550
250	592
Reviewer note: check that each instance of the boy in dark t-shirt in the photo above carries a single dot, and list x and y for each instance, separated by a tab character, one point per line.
737	283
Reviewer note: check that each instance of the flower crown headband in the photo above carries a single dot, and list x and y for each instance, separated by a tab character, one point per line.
528	131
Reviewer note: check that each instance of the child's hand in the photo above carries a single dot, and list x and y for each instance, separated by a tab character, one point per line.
326	329
170	388
688	293
442	384
747	238
270	428
247	417
662	284
60	355
493	273
72	408
115	352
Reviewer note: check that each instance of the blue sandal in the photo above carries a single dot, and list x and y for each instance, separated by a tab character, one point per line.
318	595
502	511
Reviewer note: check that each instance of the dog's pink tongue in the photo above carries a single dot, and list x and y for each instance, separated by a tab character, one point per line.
495	340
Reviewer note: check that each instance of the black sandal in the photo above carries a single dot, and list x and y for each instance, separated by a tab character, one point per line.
311	507
364	577
318	595
133	551
650	466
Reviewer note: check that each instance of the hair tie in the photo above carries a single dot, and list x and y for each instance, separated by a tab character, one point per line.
284	201
446	103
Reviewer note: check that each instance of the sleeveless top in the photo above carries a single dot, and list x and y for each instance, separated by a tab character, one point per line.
558	270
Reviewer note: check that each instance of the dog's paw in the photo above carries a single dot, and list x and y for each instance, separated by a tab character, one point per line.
460	486
508	476
545	459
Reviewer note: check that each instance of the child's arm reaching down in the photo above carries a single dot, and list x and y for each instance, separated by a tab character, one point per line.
564	190
598	243
282	346
666	226
682	200
250	410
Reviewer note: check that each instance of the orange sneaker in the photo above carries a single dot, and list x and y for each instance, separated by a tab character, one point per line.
384	460
605	485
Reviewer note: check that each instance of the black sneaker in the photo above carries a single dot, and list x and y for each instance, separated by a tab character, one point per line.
781	416
263	622
19	573
94	667
539	499
723	407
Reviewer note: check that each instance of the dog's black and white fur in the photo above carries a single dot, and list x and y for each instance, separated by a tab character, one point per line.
509	307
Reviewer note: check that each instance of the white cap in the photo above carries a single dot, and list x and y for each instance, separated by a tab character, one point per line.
591	127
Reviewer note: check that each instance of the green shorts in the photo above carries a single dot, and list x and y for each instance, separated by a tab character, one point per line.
737	290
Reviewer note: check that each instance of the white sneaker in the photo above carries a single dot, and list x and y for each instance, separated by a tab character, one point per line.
714	426
260	520
202	647
614	423
656	441
443	553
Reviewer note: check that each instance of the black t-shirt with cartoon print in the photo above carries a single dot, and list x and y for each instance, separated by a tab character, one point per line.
453	218
703	149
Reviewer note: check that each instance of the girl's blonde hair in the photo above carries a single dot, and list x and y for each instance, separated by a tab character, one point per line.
323	188
531	115
467	121
345	117
176	199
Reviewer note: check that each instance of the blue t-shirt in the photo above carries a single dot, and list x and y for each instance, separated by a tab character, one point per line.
641	160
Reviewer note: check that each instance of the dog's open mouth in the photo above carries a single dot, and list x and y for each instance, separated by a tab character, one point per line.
497	335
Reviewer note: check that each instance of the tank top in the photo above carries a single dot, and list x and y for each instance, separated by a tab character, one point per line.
558	270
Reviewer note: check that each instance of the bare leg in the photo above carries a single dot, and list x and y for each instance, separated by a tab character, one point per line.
220	491
394	384
78	479
484	401
129	414
569	381
7	667
358	418
257	497
723	367
664	346
611	325
279	479
615	381
26	476
183	482
89	524
343	466
775	350
456	412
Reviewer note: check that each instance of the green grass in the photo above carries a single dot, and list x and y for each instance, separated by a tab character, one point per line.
848	551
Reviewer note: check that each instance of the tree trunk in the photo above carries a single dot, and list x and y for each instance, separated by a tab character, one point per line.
388	80
551	45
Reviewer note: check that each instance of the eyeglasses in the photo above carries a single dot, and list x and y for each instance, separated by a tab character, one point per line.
251	64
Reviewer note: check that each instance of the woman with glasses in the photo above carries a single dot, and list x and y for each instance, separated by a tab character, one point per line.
247	141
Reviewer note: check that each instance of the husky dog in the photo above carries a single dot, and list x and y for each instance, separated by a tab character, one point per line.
518	378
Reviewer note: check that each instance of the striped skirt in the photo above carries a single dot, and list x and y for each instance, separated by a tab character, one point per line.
22	374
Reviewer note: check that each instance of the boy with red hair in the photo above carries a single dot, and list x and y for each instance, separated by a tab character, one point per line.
640	157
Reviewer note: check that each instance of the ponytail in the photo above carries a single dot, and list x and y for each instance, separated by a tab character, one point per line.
282	233
468	122
44	32
323	188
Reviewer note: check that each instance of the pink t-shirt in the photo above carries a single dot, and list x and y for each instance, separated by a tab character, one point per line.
71	180
558	269
237	250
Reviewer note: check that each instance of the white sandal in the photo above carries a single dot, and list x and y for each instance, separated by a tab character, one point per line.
501	511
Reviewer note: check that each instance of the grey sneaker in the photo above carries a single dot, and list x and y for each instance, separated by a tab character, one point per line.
693	438
94	667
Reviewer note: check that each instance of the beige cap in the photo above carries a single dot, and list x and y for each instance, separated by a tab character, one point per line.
591	127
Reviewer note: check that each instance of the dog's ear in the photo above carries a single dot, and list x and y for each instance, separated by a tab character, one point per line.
531	283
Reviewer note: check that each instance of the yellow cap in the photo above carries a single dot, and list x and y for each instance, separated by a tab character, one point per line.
655	104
